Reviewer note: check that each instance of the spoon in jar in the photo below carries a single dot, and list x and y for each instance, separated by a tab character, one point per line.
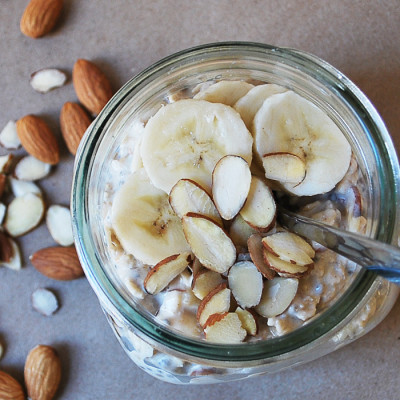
371	254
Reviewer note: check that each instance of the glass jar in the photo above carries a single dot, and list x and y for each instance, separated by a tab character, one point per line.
170	355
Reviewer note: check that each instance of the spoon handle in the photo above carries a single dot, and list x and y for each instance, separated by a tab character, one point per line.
376	256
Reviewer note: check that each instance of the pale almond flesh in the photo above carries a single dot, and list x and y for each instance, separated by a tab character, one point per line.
188	196
256	251
217	301
205	281
30	168
259	211
285	268
209	243
226	328
74	122
44	301
40	17
277	295
91	86
240	231
248	320
47	79
246	284
20	188
42	372
9	136
231	180
165	271
59	224
289	247
284	167
5	163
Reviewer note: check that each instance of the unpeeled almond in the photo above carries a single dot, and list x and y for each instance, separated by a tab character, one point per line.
37	139
91	85
10	389
224	328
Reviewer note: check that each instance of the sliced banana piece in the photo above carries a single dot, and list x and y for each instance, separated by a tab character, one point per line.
225	92
145	223
287	122
187	138
248	105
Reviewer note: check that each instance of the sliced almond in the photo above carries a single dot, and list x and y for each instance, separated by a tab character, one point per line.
188	196
248	321
256	250
58	220
205	281
47	79
24	214
30	168
217	301
44	301
15	262
209	243
289	247
284	167
9	136
165	271
230	185
240	231
5	163
277	295
285	268
60	263
225	328
20	188
246	283
259	211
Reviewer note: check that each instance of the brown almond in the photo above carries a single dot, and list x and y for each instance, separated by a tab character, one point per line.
42	373
40	17
91	86
6	248
73	121
3	182
60	263
10	389
37	139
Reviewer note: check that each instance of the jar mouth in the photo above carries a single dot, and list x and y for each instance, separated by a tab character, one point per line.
385	228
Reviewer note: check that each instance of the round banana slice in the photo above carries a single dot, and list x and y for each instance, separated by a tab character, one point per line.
145	223
186	139
248	105
225	92
289	123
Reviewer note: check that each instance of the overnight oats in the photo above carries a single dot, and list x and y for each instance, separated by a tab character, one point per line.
187	228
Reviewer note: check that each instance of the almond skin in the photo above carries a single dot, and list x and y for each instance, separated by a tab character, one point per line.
10	389
91	86
37	139
60	263
3	181
42	373
40	17
73	121
6	249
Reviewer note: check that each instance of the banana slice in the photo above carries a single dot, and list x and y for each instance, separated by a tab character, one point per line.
145	223
225	92
186	139
248	105
289	123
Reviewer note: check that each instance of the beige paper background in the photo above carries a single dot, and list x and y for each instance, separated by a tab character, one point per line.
359	37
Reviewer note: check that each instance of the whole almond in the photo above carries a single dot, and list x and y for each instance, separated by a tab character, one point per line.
40	17
74	121
42	373
10	389
3	181
37	139
91	86
6	248
60	263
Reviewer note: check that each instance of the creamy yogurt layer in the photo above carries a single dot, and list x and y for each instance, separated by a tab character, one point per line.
196	271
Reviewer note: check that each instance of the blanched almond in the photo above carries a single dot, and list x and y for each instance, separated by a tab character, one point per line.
5	163
277	295
20	188
230	185
58	221
47	79
44	301
248	321
285	268
240	231
30	168
217	301
205	281
256	250
209	243
165	271
259	211
284	167
246	283
24	214
225	328
188	196
9	137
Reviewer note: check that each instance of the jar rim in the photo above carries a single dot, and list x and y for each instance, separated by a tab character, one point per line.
338	313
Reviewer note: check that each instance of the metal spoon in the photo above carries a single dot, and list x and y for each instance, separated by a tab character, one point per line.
373	255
